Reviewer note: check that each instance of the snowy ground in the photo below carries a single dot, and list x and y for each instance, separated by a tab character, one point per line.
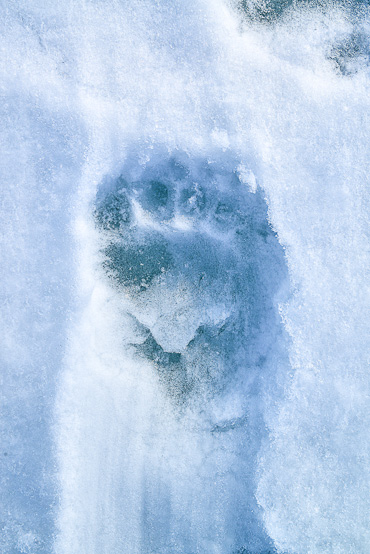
185	268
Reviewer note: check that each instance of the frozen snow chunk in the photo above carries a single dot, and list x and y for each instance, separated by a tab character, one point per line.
247	177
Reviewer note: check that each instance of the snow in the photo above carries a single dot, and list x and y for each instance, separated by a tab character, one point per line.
185	274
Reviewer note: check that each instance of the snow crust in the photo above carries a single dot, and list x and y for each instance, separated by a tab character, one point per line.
185	274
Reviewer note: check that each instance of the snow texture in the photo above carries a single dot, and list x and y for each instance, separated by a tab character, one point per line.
185	277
